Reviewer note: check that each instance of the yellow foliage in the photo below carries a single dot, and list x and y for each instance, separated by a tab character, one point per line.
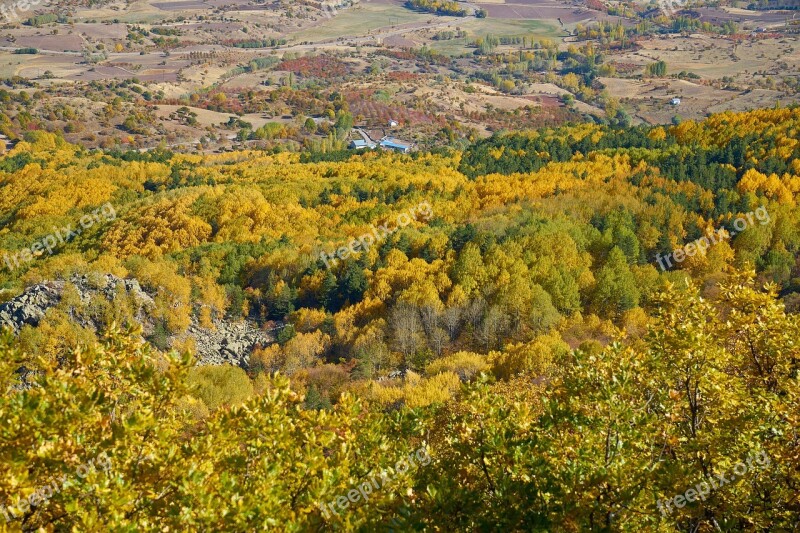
220	386
657	134
268	359
56	333
172	291
195	409
306	320
635	322
184	345
416	391
770	186
533	358
303	350
213	301
465	365
110	264
244	215
163	227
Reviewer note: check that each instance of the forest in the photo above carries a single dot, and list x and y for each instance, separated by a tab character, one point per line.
523	336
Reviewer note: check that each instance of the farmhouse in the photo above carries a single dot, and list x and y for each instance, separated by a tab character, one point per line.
360	144
397	145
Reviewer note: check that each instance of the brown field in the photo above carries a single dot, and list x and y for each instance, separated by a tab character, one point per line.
649	100
34	66
398	41
58	43
363	53
181	5
713	58
541	10
749	19
102	31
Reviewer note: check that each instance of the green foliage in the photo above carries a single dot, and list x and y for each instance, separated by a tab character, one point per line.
276	460
219	386
656	70
617	290
440	7
534	243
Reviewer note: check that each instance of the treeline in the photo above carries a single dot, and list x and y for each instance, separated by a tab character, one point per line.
48	18
257	43
439	7
449	35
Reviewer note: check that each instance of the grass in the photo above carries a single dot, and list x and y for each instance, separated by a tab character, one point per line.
357	21
475	28
9	63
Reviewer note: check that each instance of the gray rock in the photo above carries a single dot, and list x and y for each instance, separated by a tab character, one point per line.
226	343
30	306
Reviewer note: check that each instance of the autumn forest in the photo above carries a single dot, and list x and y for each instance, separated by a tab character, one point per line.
522	337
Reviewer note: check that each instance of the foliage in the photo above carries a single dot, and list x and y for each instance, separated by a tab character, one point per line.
440	7
218	386
520	330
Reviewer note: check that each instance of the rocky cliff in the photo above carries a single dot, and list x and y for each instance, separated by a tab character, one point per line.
229	342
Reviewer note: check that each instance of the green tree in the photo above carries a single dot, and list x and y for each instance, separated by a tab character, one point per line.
616	290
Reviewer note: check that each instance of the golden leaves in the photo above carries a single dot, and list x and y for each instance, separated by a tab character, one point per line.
162	227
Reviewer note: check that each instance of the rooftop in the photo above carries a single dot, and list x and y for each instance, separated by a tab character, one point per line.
391	142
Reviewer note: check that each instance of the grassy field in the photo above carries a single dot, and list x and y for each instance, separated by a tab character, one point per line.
358	20
475	28
714	58
10	63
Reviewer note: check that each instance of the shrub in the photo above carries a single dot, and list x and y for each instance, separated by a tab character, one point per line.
220	386
465	365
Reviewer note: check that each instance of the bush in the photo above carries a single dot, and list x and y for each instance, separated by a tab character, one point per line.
220	386
465	365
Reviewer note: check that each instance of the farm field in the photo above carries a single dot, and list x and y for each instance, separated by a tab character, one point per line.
226	57
363	19
714	58
475	28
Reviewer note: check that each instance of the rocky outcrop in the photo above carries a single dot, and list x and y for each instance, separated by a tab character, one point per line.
227	342
29	307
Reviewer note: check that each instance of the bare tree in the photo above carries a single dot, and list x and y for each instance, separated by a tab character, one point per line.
437	340
406	328
452	321
492	328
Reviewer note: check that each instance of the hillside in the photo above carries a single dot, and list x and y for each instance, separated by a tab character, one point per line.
557	330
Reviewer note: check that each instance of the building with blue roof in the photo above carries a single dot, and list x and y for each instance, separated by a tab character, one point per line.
390	143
